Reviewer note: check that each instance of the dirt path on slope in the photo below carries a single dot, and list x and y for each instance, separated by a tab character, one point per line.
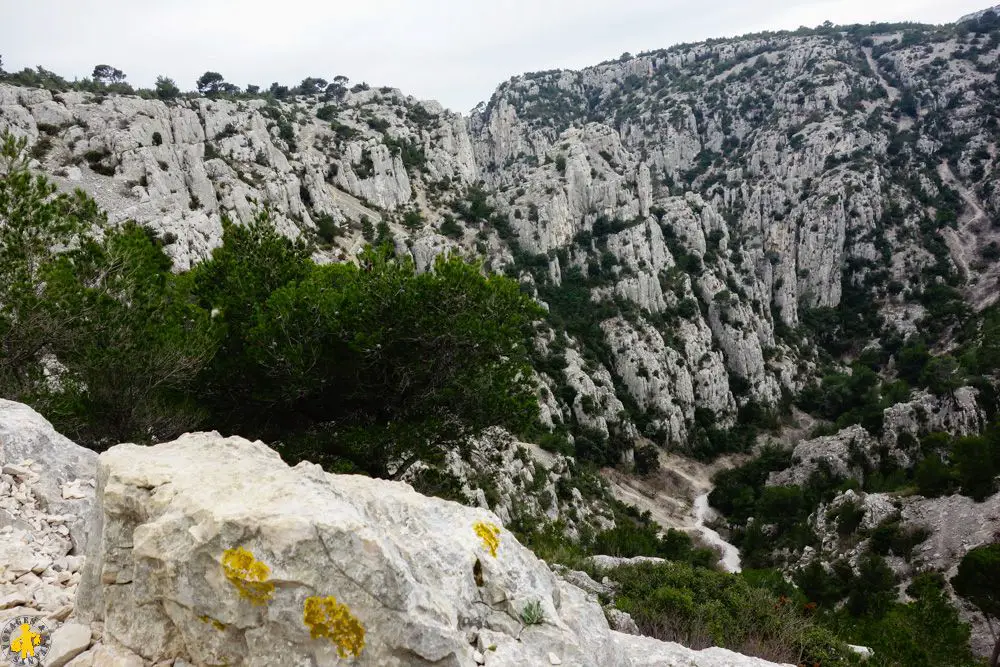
890	91
903	121
676	496
974	232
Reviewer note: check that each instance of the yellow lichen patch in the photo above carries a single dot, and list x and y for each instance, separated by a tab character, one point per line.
490	535
248	575
325	617
216	623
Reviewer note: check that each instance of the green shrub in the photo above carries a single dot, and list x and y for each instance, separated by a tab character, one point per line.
132	362
451	228
327	113
409	152
934	477
822	587
439	483
698	607
926	632
628	539
532	613
326	228
356	352
413	219
647	459
976	465
848	516
96	160
891	536
874	589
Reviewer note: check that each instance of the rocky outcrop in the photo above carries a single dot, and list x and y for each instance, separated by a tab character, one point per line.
847	453
520	481
211	549
957	413
948	527
43	467
838	453
180	166
46	496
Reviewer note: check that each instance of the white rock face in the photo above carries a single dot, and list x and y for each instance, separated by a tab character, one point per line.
60	473
68	641
832	451
180	166
952	525
596	404
671	383
957	525
46	496
648	652
404	564
755	178
957	413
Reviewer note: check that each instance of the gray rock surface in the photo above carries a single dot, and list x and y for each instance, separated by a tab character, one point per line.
68	641
61	473
957	413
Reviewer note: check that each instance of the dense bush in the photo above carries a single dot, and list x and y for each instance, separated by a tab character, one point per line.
647	459
855	398
629	539
892	537
699	608
978	581
967	465
451	228
387	364
976	462
34	221
925	632
134	343
737	490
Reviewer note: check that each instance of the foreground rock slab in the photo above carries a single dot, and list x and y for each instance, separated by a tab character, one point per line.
57	472
211	550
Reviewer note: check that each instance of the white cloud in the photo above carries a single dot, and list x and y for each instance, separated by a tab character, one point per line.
455	51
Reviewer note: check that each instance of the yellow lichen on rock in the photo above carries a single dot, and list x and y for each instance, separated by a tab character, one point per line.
248	575
216	623
490	535
325	617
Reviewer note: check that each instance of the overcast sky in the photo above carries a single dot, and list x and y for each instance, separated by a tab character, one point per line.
454	51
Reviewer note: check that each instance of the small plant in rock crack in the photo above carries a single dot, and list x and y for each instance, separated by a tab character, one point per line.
532	613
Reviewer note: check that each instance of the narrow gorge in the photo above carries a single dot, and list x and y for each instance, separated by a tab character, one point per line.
719	319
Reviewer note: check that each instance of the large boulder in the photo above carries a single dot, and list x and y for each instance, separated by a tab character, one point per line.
835	452
214	551
61	472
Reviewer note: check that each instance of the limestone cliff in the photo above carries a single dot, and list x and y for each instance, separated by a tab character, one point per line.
705	199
